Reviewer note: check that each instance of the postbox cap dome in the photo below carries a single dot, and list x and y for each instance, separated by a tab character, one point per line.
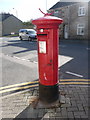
47	20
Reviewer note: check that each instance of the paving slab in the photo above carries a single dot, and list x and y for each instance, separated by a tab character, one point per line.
20	105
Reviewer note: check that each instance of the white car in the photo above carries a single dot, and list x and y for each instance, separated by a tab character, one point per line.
27	34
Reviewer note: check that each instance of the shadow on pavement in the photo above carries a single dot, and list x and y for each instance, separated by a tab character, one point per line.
22	44
31	114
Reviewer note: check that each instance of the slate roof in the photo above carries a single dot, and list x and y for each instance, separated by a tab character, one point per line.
4	16
61	4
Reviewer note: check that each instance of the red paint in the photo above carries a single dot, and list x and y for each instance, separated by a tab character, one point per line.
47	33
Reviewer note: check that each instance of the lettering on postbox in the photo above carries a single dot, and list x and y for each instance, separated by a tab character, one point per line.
42	47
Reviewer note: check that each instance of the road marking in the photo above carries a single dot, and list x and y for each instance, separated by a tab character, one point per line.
18	88
75	74
88	80
15	85
28	85
63	60
36	81
74	83
36	85
26	61
19	61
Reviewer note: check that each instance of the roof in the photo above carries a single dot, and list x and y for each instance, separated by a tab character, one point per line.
4	16
62	4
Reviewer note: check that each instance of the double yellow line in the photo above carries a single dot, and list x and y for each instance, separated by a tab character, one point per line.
74	82
27	85
19	86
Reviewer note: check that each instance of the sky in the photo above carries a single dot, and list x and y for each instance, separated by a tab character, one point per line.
26	10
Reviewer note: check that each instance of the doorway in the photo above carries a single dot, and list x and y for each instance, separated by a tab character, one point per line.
66	31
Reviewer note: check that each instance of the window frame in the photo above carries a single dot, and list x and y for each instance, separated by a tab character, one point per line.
81	11
80	27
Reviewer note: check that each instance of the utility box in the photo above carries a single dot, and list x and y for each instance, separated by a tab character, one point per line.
48	37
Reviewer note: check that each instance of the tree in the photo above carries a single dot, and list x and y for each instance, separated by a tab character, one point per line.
28	24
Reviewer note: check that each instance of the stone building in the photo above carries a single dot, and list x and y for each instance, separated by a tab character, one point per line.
9	24
75	16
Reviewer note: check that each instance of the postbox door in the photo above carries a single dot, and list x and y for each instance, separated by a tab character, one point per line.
47	57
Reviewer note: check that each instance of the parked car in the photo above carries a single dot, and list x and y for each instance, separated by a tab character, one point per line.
27	34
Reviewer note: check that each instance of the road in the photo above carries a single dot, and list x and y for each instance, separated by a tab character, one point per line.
19	61
78	67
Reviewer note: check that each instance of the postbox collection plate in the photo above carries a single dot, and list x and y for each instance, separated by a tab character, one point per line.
42	46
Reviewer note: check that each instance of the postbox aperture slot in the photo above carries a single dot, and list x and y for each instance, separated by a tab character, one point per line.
41	34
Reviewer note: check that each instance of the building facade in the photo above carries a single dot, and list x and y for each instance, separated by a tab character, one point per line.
9	24
75	16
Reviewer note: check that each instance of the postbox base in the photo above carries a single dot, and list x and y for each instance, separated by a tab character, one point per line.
48	94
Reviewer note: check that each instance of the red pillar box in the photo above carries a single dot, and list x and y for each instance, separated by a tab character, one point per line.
47	35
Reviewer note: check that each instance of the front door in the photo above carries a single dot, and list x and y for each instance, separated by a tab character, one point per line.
66	32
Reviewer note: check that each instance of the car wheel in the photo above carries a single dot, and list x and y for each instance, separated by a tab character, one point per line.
21	38
30	39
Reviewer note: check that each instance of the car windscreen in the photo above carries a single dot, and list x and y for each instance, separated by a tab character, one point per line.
32	32
22	31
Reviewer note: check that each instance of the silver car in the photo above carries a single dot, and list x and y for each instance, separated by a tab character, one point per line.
27	34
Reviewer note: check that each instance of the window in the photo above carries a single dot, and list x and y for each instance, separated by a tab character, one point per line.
56	12
81	11
80	29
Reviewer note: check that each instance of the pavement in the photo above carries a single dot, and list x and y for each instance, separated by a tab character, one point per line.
18	103
74	98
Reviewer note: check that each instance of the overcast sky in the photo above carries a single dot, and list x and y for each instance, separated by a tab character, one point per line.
27	9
